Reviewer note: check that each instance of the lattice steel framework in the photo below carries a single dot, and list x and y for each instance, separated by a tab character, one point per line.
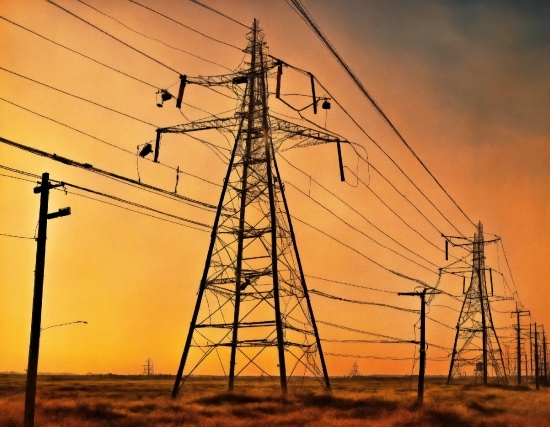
476	341
253	315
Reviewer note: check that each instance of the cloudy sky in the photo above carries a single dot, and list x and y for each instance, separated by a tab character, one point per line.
465	82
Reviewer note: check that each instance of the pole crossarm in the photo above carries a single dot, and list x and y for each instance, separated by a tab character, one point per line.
281	130
234	78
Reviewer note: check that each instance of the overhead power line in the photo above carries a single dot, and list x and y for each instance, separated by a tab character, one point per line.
113	37
79	53
186	26
404	276
118	199
313	25
17	237
78	97
105	142
334	297
219	13
120	178
354	210
152	38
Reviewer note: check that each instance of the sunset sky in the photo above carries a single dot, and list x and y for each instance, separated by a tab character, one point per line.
465	82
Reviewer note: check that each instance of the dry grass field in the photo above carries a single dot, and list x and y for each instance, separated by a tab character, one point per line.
126	401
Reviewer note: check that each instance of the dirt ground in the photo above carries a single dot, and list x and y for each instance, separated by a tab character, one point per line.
131	401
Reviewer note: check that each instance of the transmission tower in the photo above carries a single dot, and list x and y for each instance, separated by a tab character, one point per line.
148	368
476	341
253	315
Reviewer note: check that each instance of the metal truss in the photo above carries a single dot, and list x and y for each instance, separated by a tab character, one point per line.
253	315
476	341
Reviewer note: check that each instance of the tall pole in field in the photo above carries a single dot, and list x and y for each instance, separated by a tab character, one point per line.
544	356
536	358
422	368
518	314
34	346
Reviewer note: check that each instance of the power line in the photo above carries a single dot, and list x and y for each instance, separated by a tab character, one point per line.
440	359
17	237
152	38
364	332
323	294
117	177
219	13
404	276
313	25
77	97
350	284
186	26
104	142
361	232
118	199
113	37
355	210
78	53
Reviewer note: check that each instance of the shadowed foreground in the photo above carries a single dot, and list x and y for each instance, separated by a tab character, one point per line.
131	401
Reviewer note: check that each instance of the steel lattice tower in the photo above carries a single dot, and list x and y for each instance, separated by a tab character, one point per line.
476	340
253	314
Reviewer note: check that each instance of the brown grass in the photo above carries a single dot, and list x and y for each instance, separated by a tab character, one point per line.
101	401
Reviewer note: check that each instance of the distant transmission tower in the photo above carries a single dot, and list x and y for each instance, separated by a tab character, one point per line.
148	368
253	315
476	341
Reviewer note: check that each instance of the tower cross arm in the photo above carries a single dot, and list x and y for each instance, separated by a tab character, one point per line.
232	78
217	123
306	136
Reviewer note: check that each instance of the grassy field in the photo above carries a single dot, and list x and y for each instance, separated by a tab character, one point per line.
90	401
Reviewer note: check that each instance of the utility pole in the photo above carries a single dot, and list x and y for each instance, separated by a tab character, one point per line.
536	358
518	314
422	368
34	346
544	355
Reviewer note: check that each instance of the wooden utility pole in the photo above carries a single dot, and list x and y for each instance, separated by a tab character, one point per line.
518	314
422	368
544	356
34	346
536	358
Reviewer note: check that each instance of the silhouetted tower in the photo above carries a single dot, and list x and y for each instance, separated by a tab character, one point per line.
149	367
475	332
253	315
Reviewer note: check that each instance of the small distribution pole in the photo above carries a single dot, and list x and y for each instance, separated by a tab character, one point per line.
536	358
422	368
34	346
545	367
518	314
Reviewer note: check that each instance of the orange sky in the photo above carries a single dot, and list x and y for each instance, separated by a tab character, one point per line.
467	85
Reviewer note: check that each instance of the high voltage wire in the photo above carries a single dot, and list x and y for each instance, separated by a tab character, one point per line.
353	209
118	199
185	26
117	177
437	359
152	38
361	232
375	143
114	38
350	284
362	254
334	297
219	13
384	152
313	25
17	237
334	325
78	53
105	142
78	97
